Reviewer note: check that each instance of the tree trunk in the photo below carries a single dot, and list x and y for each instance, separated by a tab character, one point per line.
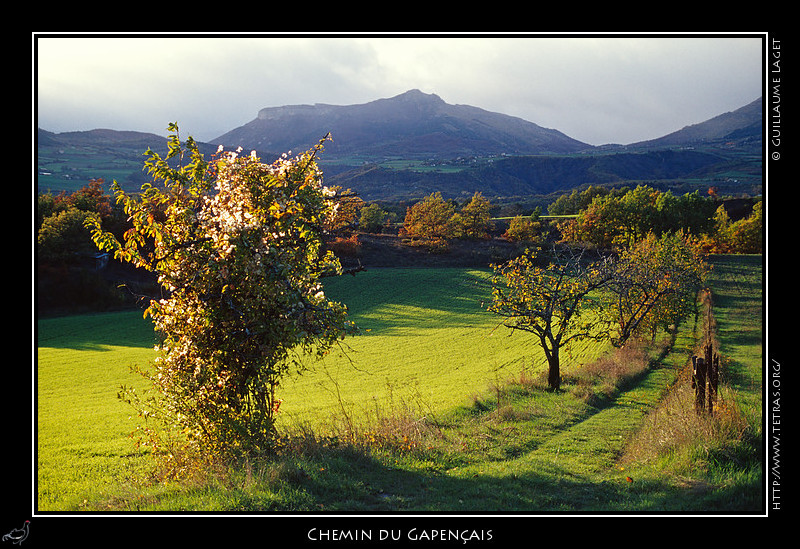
554	370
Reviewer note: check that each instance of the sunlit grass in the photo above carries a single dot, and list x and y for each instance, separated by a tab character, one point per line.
82	428
424	337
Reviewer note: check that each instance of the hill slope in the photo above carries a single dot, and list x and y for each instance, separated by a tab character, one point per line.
532	175
745	122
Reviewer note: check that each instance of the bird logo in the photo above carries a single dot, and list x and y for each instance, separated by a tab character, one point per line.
18	535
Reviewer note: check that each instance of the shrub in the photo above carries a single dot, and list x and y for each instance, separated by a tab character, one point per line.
238	252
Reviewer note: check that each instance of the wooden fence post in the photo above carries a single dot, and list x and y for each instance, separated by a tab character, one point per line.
699	383
713	383
705	370
705	380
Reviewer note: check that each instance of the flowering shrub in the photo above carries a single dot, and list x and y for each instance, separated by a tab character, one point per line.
237	247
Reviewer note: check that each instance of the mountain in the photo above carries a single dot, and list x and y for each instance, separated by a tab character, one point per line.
460	149
408	146
743	123
412	124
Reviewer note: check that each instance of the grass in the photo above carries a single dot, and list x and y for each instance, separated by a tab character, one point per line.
81	428
430	411
425	338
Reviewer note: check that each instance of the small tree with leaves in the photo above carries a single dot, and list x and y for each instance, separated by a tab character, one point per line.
237	247
655	284
474	221
431	221
372	218
555	301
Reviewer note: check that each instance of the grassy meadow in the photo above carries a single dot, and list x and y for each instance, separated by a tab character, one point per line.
432	408
425	341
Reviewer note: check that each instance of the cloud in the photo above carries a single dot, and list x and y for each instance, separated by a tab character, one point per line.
595	89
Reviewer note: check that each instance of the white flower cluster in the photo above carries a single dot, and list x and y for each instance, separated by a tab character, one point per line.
230	211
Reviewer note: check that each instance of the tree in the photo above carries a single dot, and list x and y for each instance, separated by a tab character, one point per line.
722	235
62	237
747	235
639	214
576	201
741	236
475	218
556	303
524	229
345	211
431	220
655	284
372	218
61	232
601	223
237	247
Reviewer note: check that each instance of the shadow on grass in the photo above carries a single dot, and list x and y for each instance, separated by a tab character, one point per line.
344	482
390	300
96	332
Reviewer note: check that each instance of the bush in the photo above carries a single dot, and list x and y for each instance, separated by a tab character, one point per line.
237	248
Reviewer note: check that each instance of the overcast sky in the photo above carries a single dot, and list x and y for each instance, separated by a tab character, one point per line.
598	90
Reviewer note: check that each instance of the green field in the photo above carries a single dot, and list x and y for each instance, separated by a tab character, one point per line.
430	359
424	336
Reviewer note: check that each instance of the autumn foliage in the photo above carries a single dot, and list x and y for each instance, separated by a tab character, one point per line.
615	220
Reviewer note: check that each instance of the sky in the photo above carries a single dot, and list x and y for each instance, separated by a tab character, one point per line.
597	89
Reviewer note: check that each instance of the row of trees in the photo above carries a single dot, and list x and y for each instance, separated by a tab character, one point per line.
616	219
565	296
650	248
434	221
610	219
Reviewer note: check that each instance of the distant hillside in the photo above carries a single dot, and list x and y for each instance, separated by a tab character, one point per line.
528	175
67	161
99	138
410	125
743	123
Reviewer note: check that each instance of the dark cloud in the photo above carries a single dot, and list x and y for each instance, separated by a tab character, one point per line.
597	90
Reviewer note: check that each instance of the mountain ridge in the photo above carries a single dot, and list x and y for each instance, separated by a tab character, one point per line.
746	121
411	123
